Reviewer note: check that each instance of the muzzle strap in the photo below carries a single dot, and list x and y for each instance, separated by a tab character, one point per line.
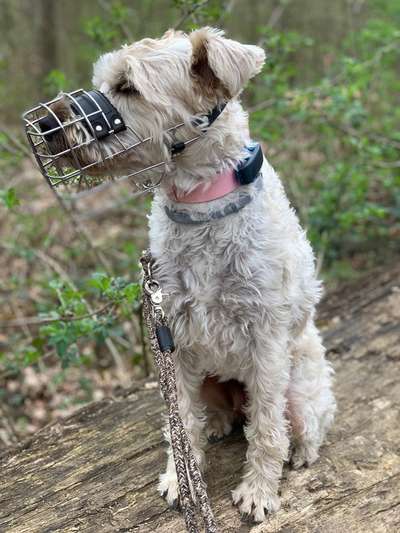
205	121
100	116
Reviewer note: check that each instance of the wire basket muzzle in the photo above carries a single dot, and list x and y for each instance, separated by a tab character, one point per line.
67	136
60	159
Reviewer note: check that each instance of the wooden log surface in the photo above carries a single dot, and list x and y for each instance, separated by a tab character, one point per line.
96	471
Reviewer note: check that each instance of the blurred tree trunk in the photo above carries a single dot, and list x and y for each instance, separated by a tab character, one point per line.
47	35
37	36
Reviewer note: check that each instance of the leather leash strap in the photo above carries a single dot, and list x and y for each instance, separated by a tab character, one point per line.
187	469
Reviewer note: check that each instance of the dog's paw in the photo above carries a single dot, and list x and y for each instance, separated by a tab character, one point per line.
303	455
255	501
218	427
168	488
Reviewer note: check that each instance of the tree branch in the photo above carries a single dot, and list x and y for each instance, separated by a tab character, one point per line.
38	321
189	13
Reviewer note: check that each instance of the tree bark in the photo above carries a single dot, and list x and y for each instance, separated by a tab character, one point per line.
96	471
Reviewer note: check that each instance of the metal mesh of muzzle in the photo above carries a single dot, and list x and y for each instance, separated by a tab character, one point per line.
59	162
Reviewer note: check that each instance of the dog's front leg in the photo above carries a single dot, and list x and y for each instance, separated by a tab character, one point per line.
266	430
192	411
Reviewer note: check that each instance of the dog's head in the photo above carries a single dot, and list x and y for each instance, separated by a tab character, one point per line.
155	84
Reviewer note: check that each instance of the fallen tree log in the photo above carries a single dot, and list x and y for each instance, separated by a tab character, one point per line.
96	471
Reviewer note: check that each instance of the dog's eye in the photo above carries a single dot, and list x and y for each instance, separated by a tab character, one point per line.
124	87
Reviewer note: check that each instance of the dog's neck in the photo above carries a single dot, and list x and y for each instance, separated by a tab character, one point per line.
224	183
205	185
213	155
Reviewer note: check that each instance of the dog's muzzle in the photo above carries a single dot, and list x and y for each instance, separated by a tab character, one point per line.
59	159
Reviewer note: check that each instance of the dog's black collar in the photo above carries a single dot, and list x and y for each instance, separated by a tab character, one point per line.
248	171
249	167
232	205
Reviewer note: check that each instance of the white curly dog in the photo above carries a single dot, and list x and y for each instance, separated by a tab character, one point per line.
232	258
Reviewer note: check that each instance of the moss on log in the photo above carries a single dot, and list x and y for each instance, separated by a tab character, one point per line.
96	471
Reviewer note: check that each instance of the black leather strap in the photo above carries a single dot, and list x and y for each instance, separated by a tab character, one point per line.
215	113
211	117
99	116
249	167
101	123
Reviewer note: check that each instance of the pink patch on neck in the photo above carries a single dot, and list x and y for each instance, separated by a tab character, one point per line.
223	183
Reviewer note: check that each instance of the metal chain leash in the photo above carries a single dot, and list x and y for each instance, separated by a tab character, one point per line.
187	469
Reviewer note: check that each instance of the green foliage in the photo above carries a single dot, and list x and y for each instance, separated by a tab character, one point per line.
10	155
197	13
106	32
55	82
69	322
338	141
9	198
74	321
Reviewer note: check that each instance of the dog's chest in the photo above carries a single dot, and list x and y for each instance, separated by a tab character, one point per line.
235	280
200	278
215	285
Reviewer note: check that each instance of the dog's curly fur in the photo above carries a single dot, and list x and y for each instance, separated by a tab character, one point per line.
241	290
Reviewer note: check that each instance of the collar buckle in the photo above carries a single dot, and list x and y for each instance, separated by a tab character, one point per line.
249	167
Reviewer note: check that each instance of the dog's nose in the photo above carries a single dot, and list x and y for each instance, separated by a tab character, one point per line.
46	124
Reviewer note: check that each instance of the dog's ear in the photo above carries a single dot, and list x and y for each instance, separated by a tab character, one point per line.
124	81
223	66
114	71
124	85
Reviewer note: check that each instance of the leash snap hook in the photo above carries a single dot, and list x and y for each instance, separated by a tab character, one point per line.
153	290
158	312
157	297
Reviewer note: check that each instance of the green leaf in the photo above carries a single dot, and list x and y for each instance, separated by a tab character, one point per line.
131	292
30	356
100	281
9	198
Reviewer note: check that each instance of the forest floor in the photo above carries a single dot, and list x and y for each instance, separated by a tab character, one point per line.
96	470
